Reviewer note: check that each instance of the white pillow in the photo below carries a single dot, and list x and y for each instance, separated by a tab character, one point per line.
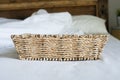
89	24
71	30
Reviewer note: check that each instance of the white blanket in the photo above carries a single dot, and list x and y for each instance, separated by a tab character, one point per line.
44	24
108	68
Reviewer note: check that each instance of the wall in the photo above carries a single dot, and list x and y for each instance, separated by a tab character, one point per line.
113	6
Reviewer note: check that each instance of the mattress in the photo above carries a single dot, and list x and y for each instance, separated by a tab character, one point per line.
107	68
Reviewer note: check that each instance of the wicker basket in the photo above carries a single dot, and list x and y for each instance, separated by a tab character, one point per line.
59	47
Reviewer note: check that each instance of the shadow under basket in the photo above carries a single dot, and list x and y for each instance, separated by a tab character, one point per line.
59	47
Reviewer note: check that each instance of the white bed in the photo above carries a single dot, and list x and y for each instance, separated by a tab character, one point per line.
107	68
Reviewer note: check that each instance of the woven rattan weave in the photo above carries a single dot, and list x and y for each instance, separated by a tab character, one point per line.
59	47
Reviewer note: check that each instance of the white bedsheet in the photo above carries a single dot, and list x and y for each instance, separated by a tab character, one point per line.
108	68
